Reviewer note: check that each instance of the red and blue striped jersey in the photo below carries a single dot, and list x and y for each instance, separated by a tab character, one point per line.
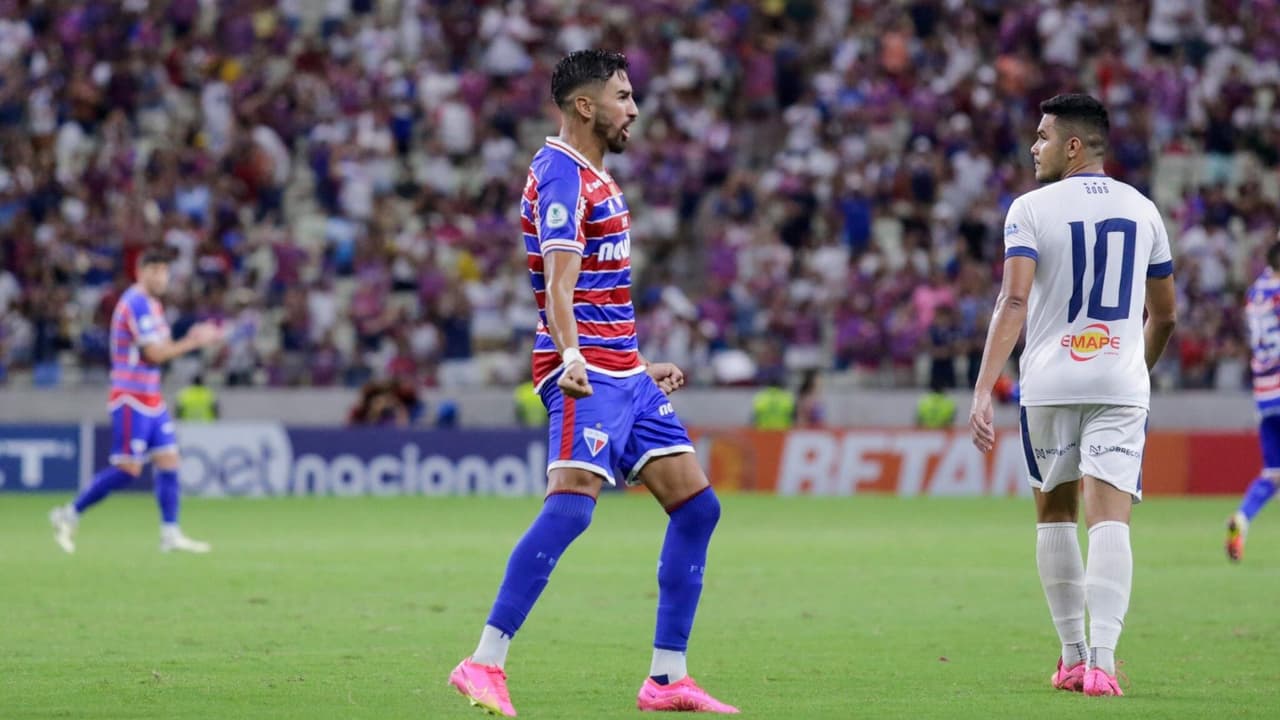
138	321
1262	310
570	206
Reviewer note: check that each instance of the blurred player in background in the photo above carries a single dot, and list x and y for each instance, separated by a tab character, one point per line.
609	417
1263	313
140	425
1083	256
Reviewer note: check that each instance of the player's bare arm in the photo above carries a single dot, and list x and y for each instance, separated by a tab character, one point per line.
562	269
200	335
1162	317
1006	325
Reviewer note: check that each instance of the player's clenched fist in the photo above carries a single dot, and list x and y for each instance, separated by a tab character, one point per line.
573	381
669	377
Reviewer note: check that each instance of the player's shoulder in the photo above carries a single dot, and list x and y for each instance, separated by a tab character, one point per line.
551	162
133	298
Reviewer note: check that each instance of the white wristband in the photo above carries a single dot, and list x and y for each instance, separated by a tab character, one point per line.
572	355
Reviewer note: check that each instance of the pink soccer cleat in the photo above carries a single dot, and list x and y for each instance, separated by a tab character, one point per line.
1070	679
683	696
484	685
1097	683
1236	527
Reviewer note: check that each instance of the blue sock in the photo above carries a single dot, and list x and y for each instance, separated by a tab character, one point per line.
167	495
107	480
563	518
1260	491
680	568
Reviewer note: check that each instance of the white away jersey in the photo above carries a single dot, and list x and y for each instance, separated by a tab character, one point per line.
1095	241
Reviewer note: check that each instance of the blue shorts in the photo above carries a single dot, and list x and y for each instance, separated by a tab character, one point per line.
136	435
625	423
1269	438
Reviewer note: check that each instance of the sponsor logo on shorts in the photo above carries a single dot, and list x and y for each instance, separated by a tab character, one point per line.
666	410
1046	453
1094	340
1096	450
596	440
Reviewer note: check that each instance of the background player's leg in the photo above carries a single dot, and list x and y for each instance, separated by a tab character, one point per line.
165	461
66	518
680	486
1260	491
566	513
107	481
1109	571
126	427
1061	568
168	495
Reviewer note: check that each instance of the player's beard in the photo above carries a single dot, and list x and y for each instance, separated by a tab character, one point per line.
612	136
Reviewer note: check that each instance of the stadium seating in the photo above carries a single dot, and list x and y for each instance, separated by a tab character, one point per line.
812	183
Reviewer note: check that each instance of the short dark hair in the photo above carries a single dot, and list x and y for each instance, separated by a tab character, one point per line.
1087	116
156	255
581	67
1273	256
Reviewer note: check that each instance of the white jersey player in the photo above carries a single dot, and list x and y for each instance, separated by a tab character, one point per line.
1084	257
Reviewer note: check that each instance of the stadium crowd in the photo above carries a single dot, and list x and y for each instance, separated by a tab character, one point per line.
813	184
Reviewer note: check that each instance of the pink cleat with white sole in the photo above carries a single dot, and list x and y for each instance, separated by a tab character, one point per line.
682	696
484	685
1071	678
1097	683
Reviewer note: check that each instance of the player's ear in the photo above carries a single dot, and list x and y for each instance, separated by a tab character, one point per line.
584	105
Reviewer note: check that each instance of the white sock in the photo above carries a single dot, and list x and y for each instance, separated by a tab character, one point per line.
1108	582
493	646
169	530
1062	577
670	663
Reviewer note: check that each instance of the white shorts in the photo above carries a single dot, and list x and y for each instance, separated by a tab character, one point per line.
1064	442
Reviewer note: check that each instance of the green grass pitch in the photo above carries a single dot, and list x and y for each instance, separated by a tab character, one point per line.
814	608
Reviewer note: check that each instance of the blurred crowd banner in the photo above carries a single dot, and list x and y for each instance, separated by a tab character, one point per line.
268	459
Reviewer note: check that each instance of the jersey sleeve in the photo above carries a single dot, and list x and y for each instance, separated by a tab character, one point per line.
145	325
1019	233
559	211
1161	263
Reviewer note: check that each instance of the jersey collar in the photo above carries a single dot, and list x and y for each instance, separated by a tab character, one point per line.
564	147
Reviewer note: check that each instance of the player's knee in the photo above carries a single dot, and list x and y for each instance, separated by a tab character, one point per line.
573	510
132	469
167	461
701	511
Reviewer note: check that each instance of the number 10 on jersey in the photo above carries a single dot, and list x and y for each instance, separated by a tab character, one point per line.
1105	264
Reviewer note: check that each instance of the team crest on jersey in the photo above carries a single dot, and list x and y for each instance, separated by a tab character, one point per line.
596	440
557	215
1094	340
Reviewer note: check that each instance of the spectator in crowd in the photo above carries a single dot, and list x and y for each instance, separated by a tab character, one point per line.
196	402
341	183
936	410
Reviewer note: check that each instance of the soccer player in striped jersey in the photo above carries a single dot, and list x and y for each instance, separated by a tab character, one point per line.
1085	255
140	425
1263	314
609	417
